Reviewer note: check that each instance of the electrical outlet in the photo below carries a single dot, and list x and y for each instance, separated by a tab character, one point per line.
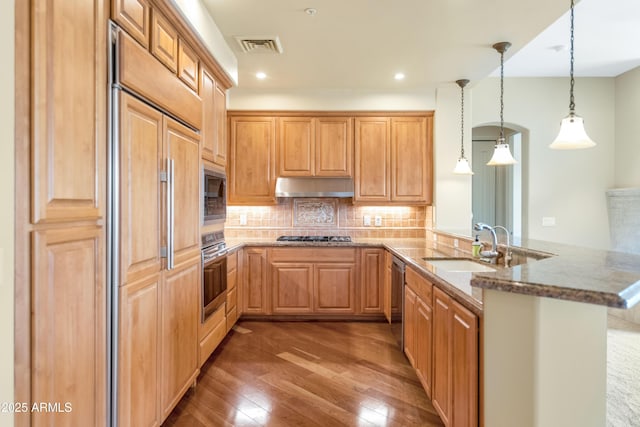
378	220
366	220
548	221
243	219
455	243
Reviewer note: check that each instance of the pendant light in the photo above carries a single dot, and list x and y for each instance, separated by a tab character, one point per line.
462	166
502	154
572	135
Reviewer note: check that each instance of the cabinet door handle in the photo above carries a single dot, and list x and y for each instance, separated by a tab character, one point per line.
170	213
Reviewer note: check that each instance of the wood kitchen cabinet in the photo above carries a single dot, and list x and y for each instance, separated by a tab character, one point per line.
409	324
232	289
393	158
134	17
213	134
455	361
60	328
313	280
292	287
315	146
255	291
188	65
372	159
178	333
164	41
252	165
372	280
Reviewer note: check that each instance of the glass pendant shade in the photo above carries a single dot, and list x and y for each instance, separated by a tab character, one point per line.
463	167
502	155
572	135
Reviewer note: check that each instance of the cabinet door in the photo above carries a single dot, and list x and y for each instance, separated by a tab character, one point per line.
410	175
442	355
464	352
164	41
133	16
252	160
291	287
179	333
423	343
334	288
386	296
372	159
69	325
188	65
409	324
208	131
296	146
68	110
181	146
139	350
255	292
372	277
140	210
220	126
334	146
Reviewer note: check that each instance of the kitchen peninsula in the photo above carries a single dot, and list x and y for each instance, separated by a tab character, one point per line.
537	319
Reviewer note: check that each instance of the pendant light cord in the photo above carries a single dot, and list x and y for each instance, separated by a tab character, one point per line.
502	96
572	104
462	122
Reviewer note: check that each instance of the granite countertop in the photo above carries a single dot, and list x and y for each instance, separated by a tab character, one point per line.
569	272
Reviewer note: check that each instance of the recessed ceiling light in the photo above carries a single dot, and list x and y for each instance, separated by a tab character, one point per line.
399	76
261	75
311	11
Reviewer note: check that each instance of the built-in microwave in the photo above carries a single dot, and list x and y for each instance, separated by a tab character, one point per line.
214	197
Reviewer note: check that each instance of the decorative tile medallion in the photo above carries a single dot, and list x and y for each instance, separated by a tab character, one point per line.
315	212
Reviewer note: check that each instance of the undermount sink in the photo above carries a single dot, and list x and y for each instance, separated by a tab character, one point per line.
459	265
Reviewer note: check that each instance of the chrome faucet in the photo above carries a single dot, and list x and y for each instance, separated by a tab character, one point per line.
493	254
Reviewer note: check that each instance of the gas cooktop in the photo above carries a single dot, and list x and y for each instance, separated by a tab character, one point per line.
343	239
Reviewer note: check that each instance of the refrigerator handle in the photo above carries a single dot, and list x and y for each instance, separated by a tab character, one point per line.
170	213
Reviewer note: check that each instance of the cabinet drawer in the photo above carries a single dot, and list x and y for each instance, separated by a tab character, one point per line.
421	286
209	343
232	299
232	261
232	318
298	254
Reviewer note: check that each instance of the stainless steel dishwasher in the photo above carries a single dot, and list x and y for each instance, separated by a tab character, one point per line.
397	300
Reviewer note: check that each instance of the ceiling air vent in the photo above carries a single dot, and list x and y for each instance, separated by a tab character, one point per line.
256	44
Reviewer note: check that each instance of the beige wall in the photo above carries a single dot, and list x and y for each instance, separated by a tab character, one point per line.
627	156
7	193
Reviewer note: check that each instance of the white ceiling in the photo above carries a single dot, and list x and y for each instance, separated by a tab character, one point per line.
361	44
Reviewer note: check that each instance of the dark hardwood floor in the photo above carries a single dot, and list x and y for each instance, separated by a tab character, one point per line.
306	374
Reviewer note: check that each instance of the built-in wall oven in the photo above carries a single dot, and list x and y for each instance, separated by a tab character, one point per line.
214	273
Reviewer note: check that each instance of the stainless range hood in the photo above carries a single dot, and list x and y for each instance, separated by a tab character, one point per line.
314	187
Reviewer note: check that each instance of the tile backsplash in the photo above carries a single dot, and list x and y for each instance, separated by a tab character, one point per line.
326	216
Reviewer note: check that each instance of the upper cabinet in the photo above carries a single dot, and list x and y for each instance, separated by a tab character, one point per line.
310	146
252	160
164	41
133	16
393	159
188	65
389	155
214	115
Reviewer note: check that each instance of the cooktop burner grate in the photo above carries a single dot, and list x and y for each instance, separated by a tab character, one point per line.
343	239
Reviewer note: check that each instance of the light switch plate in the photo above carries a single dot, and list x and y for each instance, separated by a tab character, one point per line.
548	221
378	221
243	219
366	220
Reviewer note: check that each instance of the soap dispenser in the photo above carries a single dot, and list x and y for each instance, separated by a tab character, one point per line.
476	247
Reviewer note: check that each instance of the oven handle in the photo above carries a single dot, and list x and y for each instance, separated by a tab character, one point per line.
207	258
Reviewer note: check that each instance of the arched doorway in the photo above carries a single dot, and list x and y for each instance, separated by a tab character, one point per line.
499	192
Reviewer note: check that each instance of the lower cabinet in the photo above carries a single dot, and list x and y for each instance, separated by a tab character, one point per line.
232	288
292	287
441	343
158	344
455	362
255	291
334	287
372	280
